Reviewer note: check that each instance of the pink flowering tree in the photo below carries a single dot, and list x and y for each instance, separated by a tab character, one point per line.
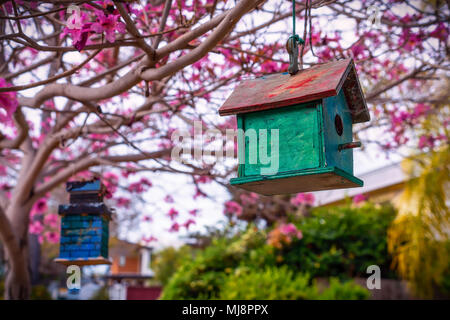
98	90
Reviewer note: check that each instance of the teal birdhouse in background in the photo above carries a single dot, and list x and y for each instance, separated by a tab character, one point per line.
84	225
296	131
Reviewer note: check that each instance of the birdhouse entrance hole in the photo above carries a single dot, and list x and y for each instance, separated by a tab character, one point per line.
338	125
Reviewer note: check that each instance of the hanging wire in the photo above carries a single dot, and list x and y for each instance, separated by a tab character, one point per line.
294	34
292	46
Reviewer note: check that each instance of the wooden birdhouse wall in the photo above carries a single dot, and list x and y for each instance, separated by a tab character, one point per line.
84	236
300	144
332	107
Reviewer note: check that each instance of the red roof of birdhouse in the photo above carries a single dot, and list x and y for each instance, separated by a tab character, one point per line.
282	89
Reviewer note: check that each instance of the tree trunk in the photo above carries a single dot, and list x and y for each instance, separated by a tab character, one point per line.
18	282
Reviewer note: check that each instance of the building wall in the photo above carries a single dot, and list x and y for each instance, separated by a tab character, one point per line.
132	265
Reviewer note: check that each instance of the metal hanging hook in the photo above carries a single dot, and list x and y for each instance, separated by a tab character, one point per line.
292	49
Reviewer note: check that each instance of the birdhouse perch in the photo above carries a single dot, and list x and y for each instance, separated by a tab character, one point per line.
313	111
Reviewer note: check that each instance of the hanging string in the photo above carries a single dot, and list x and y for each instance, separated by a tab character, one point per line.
292	46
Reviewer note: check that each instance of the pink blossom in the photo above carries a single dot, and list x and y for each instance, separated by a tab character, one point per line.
2	171
421	109
168	199
290	230
232	207
202	179
426	141
36	227
188	223
51	220
136	187
193	212
149	239
441	32
198	193
358	51
172	213
249	199
108	24
131	169
123	202
78	28
359	198
40	206
52	237
8	103
110	182
303	198
175	227
146	182
147	219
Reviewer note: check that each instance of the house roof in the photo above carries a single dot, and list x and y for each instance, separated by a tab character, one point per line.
377	179
125	248
282	89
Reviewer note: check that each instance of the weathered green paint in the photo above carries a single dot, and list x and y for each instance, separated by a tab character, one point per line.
334	158
309	158
299	138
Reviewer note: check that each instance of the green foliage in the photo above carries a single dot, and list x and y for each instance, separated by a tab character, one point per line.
202	276
347	290
167	262
269	284
419	238
337	242
342	241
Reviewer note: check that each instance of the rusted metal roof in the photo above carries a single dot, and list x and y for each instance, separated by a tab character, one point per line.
282	89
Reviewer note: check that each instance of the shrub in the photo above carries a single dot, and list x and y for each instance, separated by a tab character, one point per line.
342	241
283	284
269	284
202	276
347	290
337	242
167	261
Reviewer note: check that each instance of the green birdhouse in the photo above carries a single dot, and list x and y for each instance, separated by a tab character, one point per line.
295	132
